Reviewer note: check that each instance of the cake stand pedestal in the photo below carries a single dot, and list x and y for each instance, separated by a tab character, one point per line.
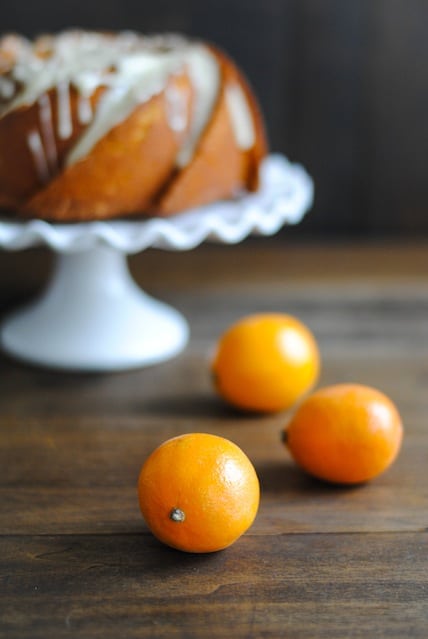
92	315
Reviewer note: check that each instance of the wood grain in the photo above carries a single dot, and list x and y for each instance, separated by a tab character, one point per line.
76	558
284	585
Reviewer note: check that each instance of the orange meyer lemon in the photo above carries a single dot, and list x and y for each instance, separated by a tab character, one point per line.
198	492
345	434
266	362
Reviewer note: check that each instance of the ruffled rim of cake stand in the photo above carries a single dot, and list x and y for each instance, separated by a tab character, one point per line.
284	196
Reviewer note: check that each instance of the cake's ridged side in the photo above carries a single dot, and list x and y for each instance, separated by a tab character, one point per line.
219	169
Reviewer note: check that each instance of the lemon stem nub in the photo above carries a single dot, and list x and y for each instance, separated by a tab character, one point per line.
177	514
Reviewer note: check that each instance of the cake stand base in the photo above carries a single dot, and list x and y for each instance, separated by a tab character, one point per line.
94	317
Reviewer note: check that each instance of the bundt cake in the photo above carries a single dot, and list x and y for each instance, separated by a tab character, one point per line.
101	125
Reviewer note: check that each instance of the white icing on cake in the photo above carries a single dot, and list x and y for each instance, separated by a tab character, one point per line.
65	124
241	117
38	152
7	88
131	69
48	133
205	77
177	108
84	109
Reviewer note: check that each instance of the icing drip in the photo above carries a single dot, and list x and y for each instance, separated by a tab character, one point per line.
36	147
177	108
47	131
84	109
65	124
205	76
7	88
240	117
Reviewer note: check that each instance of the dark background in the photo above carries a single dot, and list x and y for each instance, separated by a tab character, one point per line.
343	85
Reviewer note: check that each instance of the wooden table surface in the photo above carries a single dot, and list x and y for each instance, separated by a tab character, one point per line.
76	557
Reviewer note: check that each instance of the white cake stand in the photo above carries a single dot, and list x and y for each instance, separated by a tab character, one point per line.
92	315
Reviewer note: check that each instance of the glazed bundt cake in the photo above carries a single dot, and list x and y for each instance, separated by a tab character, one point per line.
99	125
